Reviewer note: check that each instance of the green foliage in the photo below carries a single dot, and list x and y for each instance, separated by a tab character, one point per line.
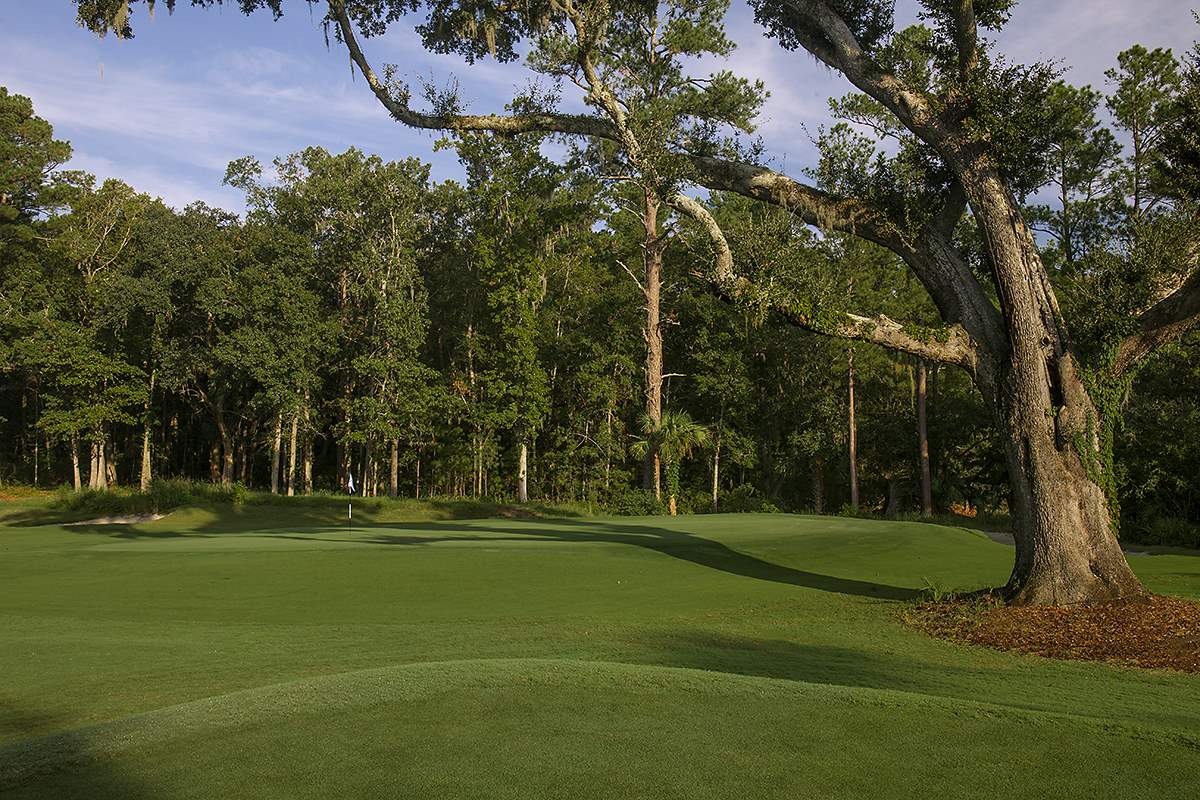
635	502
673	438
746	498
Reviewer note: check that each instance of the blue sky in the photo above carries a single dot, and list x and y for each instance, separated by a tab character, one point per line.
169	109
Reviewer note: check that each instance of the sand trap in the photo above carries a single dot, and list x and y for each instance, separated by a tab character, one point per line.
124	519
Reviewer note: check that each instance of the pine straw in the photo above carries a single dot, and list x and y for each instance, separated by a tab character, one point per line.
1153	633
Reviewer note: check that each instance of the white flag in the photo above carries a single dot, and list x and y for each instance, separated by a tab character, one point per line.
350	482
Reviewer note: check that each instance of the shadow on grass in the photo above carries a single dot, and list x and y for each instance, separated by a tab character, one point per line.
795	661
70	768
676	544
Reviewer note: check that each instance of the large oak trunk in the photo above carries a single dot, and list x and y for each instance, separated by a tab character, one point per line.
1067	550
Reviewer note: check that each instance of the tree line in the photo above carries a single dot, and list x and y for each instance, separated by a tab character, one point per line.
936	163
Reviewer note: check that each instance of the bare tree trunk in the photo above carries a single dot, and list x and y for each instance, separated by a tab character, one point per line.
227	446
291	465
98	478
523	475
78	484
652	250
276	449
308	465
394	478
418	492
308	446
716	472
853	432
144	483
923	443
214	462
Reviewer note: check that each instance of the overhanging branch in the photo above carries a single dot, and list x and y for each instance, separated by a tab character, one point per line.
949	345
577	124
1165	321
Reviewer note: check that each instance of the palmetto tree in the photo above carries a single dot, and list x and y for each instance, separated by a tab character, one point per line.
673	438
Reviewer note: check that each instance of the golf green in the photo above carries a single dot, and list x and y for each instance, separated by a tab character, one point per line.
264	653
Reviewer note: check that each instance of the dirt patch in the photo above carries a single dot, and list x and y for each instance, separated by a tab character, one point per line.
1154	633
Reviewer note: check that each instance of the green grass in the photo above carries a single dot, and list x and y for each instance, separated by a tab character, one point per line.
261	651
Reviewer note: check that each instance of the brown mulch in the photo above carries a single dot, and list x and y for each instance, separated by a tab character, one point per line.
1153	633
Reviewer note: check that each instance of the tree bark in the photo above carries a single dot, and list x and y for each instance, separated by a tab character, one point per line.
291	465
652	251
716	481
98	477
523	475
78	484
853	438
1056	448
394	478
276	449
923	443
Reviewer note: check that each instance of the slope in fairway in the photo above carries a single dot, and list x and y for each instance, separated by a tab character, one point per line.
715	656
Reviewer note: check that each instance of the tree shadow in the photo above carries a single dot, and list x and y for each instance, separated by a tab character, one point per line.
62	765
676	544
788	660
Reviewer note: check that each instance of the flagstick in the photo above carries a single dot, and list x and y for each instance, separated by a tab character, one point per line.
350	519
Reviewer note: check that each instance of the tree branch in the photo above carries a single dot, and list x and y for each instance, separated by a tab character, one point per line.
578	124
954	347
833	42
1165	321
966	36
932	256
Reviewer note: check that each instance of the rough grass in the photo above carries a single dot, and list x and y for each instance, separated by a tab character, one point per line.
263	651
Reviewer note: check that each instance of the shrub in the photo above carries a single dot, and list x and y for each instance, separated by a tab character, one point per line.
635	503
746	498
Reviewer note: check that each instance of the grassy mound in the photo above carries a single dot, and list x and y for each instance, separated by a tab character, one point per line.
224	652
528	728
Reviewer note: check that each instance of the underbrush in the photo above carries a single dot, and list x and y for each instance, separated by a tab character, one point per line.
1163	531
167	495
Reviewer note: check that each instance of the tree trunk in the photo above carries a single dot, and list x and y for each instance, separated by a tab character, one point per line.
291	465
892	509
652	250
98	476
1057	446
853	439
226	444
394	477
144	483
523	475
716	472
276	449
75	464
308	455
923	444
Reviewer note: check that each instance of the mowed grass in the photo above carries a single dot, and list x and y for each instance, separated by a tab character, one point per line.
266	652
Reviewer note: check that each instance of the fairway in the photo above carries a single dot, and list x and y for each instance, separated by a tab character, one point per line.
208	655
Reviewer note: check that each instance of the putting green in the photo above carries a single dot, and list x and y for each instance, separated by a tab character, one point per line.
262	654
